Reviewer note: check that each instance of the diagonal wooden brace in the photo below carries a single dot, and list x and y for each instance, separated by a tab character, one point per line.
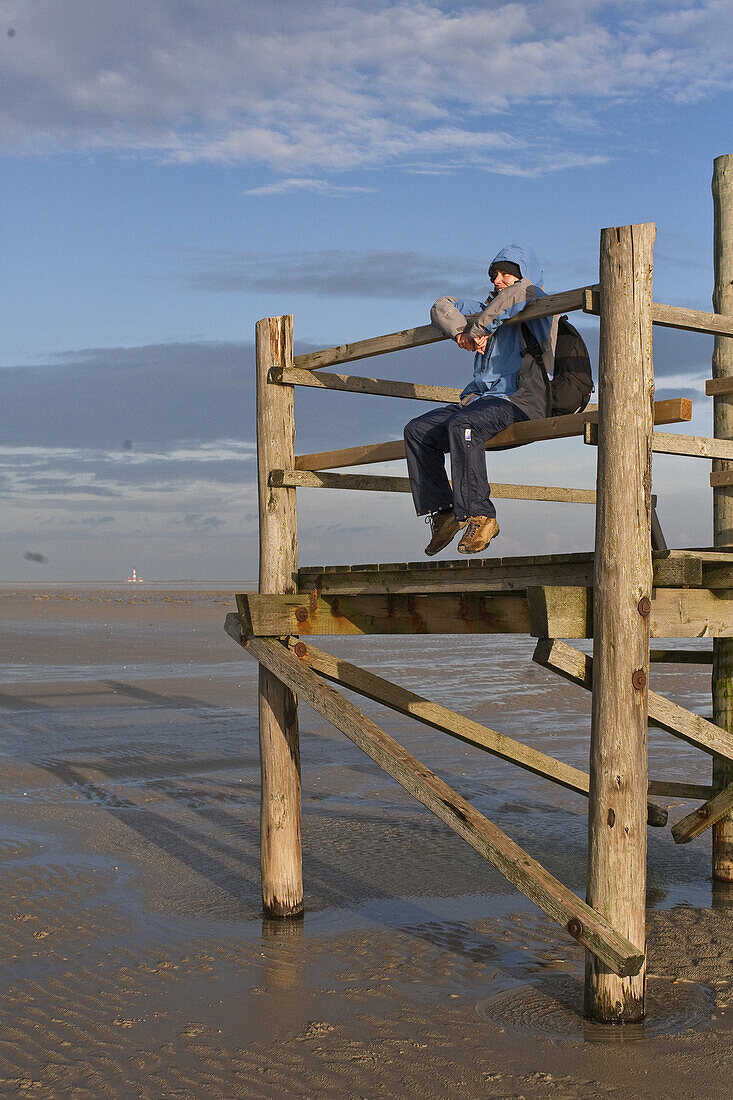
529	876
704	816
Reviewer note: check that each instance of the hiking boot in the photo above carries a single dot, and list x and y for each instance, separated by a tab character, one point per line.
445	527
480	530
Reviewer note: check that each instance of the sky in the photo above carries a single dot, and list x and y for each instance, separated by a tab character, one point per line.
173	170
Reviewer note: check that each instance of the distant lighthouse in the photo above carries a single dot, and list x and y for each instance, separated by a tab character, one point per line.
134	579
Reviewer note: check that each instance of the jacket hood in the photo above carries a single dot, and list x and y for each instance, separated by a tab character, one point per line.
526	260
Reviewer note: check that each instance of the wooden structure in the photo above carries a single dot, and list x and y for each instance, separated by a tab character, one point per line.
629	589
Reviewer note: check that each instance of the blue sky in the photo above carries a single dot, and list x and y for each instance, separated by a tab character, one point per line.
172	171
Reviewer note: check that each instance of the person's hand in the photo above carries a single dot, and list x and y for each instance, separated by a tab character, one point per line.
480	343
466	342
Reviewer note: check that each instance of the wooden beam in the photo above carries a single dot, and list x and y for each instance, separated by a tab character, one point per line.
577	667
721	478
668	443
453	613
671	411
722	371
565	612
280	839
695	320
564	302
704	816
717	386
672	789
381	387
559	903
681	656
316	479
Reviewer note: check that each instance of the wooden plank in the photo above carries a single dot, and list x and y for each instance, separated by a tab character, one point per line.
721	478
494	575
671	411
669	443
565	612
577	667
280	842
453	613
564	302
381	387
681	656
704	817
673	789
316	479
717	386
696	320
559	903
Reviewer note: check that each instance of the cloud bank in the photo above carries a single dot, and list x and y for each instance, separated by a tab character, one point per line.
332	87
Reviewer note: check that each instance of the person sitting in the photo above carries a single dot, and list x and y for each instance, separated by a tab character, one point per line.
507	387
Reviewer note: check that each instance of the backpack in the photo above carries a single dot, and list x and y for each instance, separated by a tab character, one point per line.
572	379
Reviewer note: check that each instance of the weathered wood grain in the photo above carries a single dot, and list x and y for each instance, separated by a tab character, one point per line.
559	903
313	479
566	612
280	840
623	576
672	411
704	817
564	302
381	387
452	613
722	369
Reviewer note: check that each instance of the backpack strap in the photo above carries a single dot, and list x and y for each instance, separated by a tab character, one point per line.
535	350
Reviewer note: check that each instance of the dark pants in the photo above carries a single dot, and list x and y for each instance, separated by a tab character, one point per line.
462	430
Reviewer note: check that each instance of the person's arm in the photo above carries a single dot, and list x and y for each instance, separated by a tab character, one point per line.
449	315
505	304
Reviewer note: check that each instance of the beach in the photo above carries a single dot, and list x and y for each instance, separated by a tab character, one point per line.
137	962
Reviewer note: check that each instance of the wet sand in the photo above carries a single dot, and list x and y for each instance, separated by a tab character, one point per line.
136	962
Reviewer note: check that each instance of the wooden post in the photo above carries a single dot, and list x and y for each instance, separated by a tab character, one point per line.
623	581
280	841
722	682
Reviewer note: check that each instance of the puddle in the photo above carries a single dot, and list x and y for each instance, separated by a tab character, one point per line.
551	1009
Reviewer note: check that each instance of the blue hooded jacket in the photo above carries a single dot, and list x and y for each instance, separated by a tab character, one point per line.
497	371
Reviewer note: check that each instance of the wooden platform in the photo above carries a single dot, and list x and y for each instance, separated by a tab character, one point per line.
543	596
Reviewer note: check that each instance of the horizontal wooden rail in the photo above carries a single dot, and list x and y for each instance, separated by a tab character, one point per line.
311	479
721	477
671	411
716	386
558	612
694	320
551	304
669	443
529	876
585	298
670	788
351	383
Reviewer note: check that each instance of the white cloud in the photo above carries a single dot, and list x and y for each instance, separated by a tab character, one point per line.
321	187
337	86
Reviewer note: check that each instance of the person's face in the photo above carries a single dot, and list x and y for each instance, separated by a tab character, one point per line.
503	280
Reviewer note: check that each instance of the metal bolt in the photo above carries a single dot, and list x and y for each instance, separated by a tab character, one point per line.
644	607
704	811
575	928
638	679
301	649
301	614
